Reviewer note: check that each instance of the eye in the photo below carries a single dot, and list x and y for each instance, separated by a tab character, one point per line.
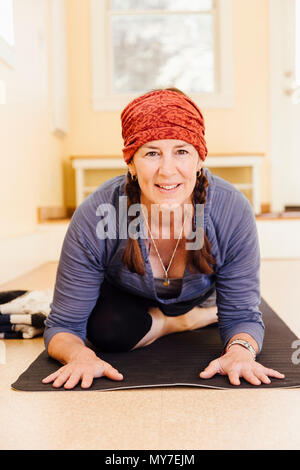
184	151
151	154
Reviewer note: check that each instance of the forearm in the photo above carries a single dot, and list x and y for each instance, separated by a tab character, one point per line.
245	337
65	346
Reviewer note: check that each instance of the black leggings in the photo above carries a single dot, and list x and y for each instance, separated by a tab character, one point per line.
120	319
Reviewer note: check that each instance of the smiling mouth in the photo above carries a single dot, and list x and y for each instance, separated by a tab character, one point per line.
167	188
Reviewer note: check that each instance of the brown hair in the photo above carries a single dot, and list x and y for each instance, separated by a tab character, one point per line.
197	260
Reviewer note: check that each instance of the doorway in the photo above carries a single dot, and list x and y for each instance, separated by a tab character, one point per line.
285	104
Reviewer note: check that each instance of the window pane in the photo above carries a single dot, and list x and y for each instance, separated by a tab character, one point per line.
159	51
161	4
6	21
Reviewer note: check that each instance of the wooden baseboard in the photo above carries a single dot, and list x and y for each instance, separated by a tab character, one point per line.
279	216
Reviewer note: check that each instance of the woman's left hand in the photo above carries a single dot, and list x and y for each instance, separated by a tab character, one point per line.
238	362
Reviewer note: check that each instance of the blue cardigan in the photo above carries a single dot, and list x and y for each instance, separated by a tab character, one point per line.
87	257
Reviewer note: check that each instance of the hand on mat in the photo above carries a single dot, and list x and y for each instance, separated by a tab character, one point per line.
237	363
84	367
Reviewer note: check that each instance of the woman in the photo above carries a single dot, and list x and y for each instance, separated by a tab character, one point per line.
123	289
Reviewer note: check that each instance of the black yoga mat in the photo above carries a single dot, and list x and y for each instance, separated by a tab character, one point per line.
178	358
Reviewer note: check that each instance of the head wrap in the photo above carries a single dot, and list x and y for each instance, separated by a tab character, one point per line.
162	114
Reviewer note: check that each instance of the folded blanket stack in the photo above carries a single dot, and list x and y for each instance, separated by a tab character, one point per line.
23	312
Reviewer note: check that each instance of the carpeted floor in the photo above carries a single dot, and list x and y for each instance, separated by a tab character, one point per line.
158	417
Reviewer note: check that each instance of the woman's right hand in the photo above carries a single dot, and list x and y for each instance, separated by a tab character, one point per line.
85	366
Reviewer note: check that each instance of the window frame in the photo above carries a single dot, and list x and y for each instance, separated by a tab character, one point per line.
105	100
8	51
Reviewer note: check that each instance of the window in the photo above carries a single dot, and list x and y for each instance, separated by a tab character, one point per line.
163	43
7	40
157	49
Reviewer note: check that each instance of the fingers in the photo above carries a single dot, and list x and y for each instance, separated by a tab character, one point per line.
255	377
260	375
52	377
71	374
87	380
251	377
73	380
273	373
234	377
253	372
263	378
69	378
212	369
62	378
112	373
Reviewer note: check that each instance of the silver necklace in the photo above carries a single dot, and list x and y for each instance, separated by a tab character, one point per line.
166	281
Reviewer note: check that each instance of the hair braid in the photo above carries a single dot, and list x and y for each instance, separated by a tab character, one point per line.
201	260
132	256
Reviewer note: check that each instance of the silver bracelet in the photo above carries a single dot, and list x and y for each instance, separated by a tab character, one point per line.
245	344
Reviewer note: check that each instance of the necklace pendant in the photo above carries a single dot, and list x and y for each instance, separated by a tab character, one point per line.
166	282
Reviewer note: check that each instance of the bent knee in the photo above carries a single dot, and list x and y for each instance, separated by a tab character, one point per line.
115	332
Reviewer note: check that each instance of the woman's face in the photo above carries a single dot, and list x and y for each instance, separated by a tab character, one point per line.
160	163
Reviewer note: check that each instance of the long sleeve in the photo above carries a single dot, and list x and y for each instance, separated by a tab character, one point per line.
79	277
238	278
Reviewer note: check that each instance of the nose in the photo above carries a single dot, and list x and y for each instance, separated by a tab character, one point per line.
167	165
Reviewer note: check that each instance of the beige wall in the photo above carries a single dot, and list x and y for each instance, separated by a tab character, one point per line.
34	164
245	128
30	158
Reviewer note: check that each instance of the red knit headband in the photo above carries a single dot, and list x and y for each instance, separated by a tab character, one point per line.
162	114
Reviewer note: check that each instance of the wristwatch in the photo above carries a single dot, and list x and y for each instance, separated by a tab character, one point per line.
245	344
